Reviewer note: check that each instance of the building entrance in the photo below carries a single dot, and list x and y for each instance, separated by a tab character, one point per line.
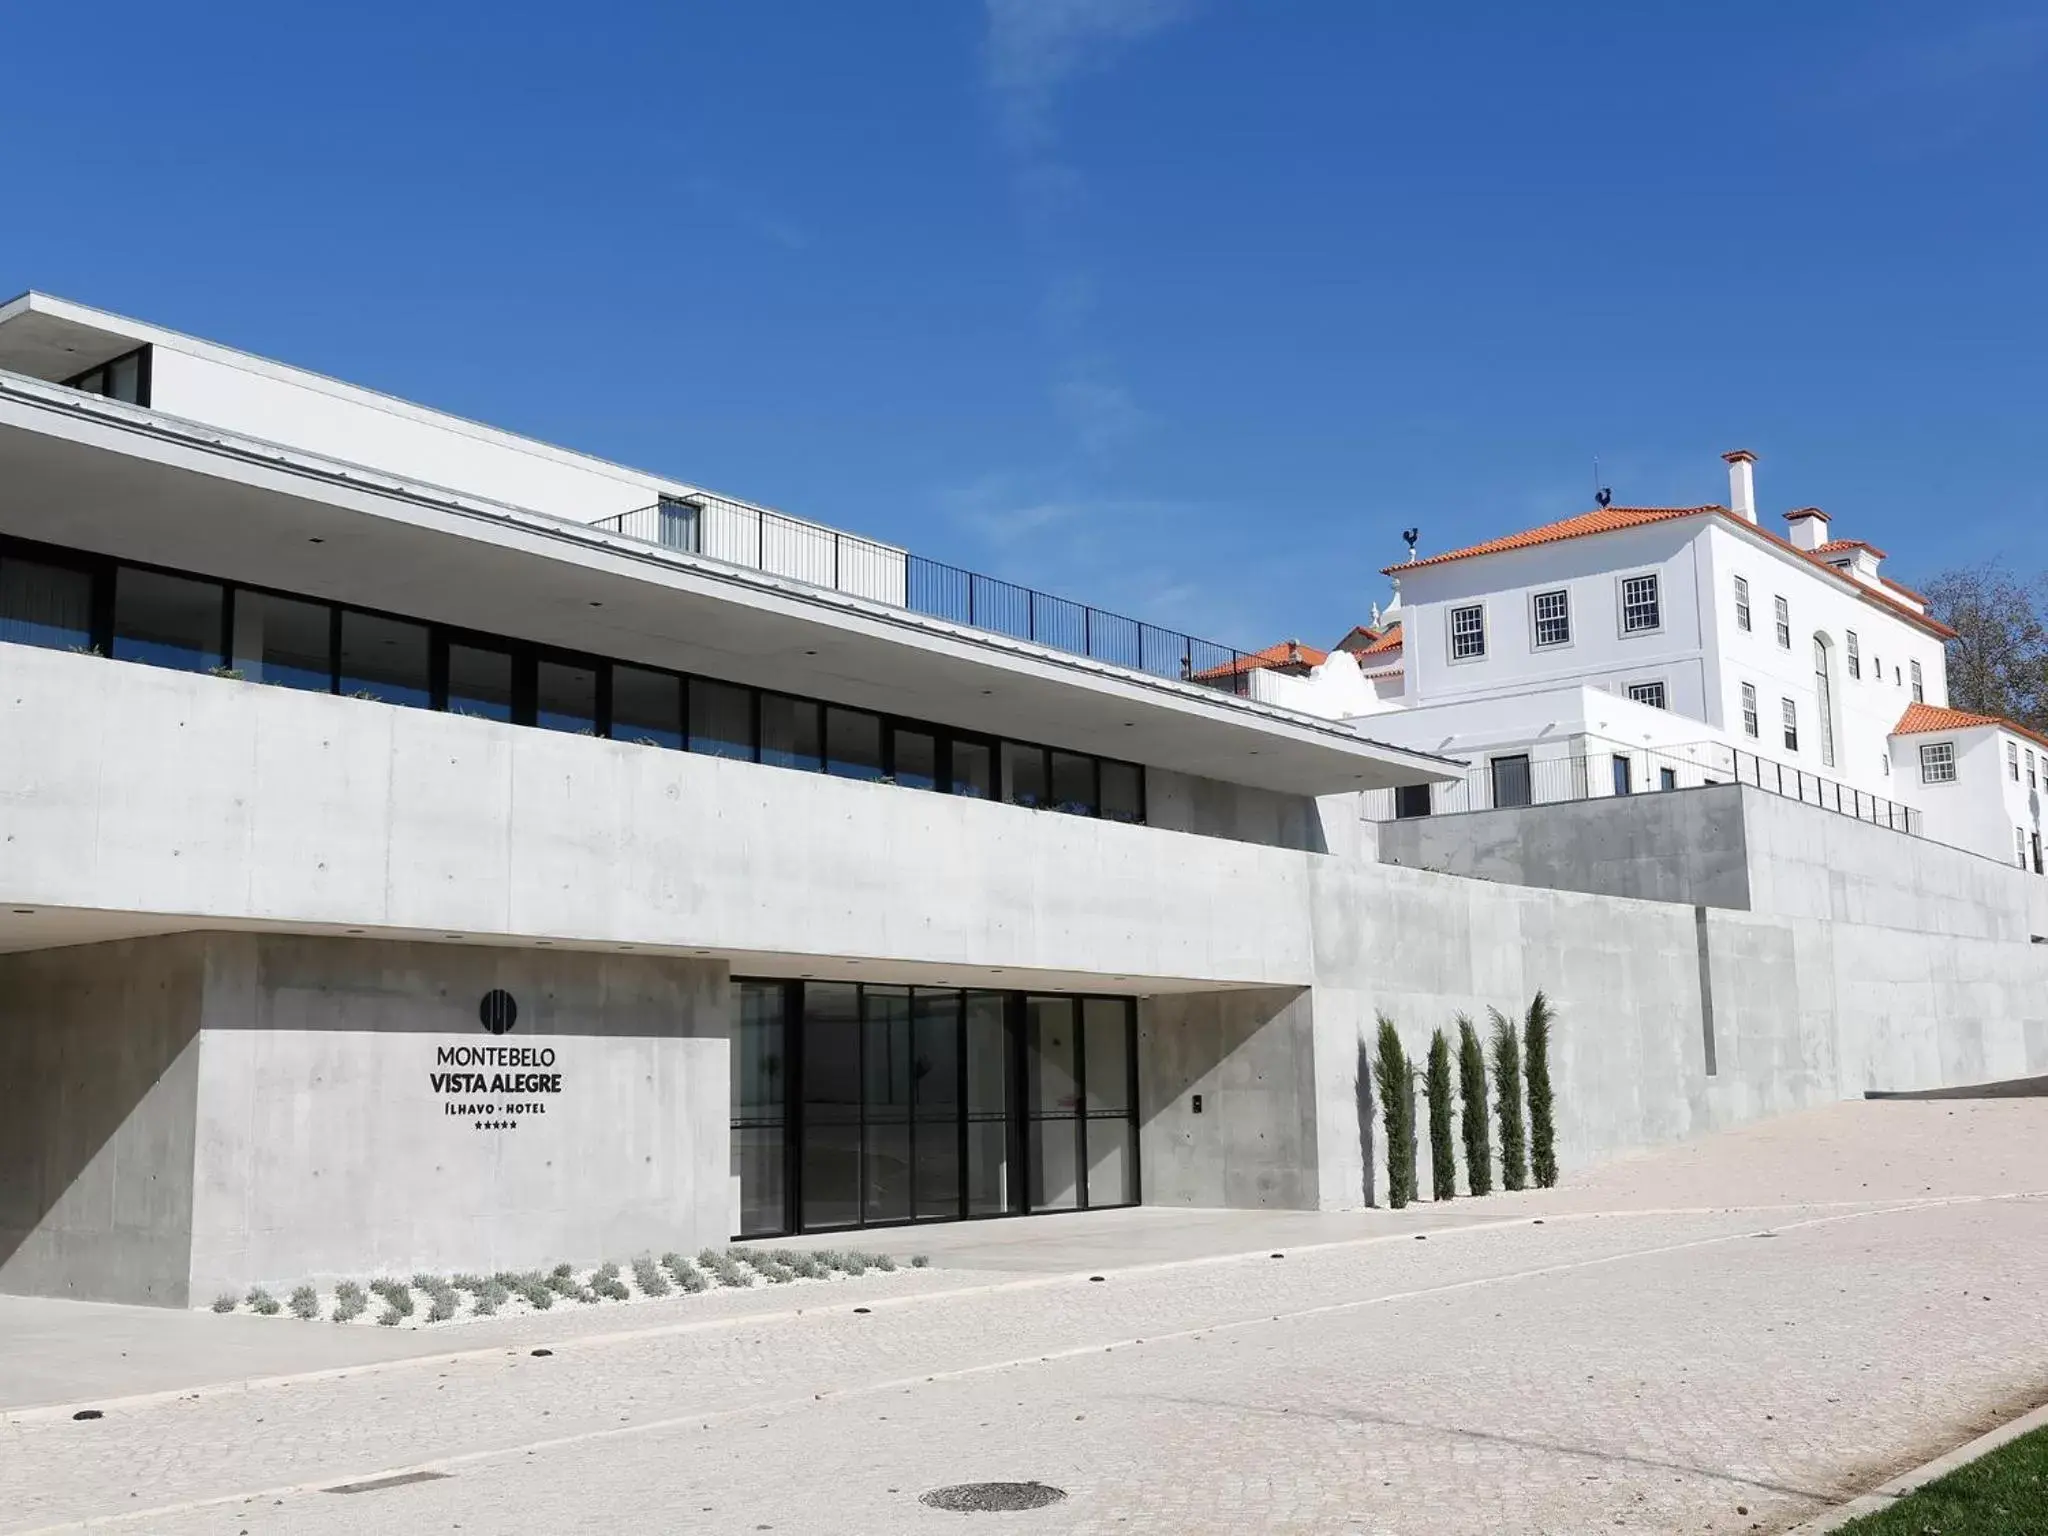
857	1105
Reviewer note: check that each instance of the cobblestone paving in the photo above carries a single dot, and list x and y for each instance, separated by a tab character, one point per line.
1651	1371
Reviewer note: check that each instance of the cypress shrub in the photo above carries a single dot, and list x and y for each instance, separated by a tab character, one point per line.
1507	1101
1443	1160
1473	1119
1542	1114
1397	1113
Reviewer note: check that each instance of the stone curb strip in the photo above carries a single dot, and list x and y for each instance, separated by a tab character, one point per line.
1890	1493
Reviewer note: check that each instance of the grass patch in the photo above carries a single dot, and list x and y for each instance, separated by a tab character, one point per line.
1996	1495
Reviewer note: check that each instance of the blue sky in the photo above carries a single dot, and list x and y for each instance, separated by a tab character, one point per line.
1182	307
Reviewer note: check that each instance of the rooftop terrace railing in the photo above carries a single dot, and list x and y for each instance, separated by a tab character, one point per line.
1520	778
842	562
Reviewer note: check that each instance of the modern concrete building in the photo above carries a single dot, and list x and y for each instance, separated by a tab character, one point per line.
425	847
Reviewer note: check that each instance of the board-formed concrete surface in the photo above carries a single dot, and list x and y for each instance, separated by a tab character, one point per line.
1725	1337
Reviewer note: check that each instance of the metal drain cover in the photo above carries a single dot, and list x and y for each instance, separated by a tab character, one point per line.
977	1498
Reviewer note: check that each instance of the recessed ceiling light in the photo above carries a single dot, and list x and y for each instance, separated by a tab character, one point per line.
625	946
544	943
810	653
355	931
451	935
986	692
597	605
316	541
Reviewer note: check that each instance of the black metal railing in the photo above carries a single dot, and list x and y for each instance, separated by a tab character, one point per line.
843	562
1515	778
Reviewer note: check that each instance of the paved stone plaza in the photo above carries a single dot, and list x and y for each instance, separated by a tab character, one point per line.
1725	1337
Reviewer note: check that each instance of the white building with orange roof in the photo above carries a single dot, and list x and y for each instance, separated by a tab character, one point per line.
1632	649
1978	780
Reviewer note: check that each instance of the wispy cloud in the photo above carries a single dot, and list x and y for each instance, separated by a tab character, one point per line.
1100	412
1036	46
1937	92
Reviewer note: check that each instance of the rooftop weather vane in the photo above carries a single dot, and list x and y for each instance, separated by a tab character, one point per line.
1411	535
1602	494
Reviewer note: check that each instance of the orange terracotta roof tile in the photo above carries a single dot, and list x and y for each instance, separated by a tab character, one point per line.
1288	653
1390	641
1839	546
1919	719
1603	520
1612	519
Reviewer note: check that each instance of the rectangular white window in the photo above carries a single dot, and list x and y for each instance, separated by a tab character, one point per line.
1553	618
1784	623
2030	769
2012	760
2019	844
1640	610
1938	762
1791	712
1651	694
1855	656
1468	632
1919	690
1749	722
1742	603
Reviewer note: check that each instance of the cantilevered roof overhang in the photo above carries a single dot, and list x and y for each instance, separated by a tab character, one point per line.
98	475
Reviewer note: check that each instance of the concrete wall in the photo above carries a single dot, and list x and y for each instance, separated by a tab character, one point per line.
210	1111
1687	846
1250	1056
130	788
99	1058
1733	847
1672	1020
315	1091
1181	802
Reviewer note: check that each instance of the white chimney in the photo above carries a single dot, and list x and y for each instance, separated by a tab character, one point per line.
1741	484
1809	528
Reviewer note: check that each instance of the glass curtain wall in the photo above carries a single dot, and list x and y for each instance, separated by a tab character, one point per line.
865	1105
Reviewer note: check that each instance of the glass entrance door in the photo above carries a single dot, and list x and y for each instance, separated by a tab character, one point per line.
866	1105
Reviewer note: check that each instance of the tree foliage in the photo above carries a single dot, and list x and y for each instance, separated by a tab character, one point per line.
1473	1122
1397	1113
1542	1112
1998	661
1443	1157
1507	1101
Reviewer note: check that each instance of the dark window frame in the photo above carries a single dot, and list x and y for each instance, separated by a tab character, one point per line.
1018	1112
144	372
526	656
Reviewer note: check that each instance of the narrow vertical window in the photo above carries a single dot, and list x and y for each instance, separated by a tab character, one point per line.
1784	622
1468	632
1855	656
2012	760
1742	603
1919	685
1749	721
1791	712
1641	611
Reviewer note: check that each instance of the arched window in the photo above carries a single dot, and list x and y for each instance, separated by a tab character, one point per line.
1824	699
